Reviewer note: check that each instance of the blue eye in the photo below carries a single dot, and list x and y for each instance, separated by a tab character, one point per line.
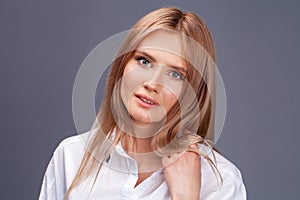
176	75
144	62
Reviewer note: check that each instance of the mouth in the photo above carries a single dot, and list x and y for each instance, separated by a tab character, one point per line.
146	99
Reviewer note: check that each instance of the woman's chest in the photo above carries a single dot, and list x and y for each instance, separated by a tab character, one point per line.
112	184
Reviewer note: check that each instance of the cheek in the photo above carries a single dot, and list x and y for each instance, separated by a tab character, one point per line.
170	98
129	84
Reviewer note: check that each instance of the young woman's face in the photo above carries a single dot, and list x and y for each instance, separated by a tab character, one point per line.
153	78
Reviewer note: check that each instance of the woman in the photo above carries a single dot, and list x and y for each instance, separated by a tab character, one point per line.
155	120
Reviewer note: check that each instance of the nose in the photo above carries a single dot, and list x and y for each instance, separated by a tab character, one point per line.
152	84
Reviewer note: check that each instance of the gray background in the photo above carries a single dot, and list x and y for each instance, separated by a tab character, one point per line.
44	42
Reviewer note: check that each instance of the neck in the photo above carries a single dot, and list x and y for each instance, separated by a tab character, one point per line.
139	140
136	145
140	149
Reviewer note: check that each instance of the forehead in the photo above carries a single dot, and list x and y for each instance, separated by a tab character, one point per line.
164	47
164	40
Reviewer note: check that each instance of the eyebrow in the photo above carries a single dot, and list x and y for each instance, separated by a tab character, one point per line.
154	60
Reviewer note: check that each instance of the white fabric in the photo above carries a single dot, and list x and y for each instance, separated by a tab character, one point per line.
113	184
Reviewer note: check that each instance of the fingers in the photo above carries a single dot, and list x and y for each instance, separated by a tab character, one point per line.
191	151
193	148
168	160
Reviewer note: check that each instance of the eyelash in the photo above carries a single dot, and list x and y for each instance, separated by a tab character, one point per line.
140	59
178	74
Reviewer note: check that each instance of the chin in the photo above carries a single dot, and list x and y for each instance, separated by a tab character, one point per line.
145	120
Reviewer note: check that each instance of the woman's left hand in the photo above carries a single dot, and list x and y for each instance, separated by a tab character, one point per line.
183	175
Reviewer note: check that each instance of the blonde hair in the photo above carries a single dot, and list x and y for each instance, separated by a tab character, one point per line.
195	116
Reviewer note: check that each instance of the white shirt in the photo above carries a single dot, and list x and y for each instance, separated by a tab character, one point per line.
112	184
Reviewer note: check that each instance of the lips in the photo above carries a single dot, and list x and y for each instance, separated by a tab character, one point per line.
146	99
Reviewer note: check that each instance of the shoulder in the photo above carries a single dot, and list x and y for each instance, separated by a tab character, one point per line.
63	166
225	181
67	157
75	139
72	143
69	153
228	170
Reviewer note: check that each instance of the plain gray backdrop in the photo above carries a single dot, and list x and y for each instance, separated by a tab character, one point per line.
258	43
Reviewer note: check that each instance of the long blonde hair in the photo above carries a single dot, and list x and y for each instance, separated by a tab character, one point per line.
197	115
